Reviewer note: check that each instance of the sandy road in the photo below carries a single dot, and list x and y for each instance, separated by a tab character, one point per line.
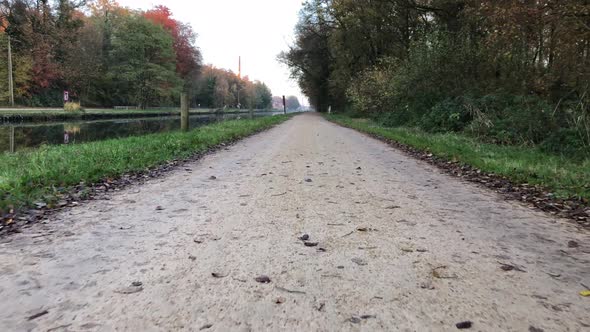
429	258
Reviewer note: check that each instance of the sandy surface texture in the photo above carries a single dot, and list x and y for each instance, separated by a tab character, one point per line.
400	247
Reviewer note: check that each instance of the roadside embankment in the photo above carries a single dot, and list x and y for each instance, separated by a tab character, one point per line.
552	183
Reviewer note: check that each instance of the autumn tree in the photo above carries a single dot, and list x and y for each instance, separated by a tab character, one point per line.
144	66
188	56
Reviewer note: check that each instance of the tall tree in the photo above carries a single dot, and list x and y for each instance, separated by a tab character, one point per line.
188	56
144	66
310	59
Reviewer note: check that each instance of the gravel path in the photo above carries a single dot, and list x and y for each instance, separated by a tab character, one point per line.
401	247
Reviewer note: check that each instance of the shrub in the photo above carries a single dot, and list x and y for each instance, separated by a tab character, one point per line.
448	115
566	141
513	119
73	107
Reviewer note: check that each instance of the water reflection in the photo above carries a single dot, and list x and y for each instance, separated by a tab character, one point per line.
17	137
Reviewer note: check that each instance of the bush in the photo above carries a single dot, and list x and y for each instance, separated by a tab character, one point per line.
449	115
73	107
566	141
513	119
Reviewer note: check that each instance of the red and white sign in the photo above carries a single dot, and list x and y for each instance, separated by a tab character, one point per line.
66	96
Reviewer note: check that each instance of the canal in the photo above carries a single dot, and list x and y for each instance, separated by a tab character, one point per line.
16	137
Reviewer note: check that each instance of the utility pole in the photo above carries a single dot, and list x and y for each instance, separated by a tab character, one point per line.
10	78
240	78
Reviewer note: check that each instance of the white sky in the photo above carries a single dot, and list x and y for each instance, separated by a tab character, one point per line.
256	30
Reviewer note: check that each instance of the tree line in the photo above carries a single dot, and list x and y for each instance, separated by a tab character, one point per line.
107	55
509	71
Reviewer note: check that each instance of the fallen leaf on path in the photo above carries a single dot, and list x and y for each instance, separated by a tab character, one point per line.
354	320
427	285
368	248
511	267
572	244
38	314
320	306
129	290
368	316
359	261
304	237
159	208
308	180
218	275
585	293
192	258
280	300
206	326
407	249
464	325
290	291
437	274
212	177
311	244
263	279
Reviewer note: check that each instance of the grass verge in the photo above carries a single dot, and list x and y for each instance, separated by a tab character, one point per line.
564	177
41	174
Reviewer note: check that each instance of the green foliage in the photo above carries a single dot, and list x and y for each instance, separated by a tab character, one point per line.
448	115
262	96
507	72
73	107
292	103
144	59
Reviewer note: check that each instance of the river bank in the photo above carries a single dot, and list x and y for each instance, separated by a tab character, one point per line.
57	176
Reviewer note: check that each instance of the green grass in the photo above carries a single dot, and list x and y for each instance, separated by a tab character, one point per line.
41	174
566	178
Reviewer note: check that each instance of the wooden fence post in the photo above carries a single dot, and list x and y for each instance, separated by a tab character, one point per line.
184	112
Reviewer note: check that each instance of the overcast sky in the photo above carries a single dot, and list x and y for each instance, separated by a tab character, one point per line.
257	30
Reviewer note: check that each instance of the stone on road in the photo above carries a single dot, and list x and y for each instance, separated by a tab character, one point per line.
436	260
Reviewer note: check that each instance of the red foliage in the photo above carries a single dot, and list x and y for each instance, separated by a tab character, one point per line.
187	55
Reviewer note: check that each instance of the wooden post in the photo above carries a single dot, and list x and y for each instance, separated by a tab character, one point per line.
12	145
184	113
